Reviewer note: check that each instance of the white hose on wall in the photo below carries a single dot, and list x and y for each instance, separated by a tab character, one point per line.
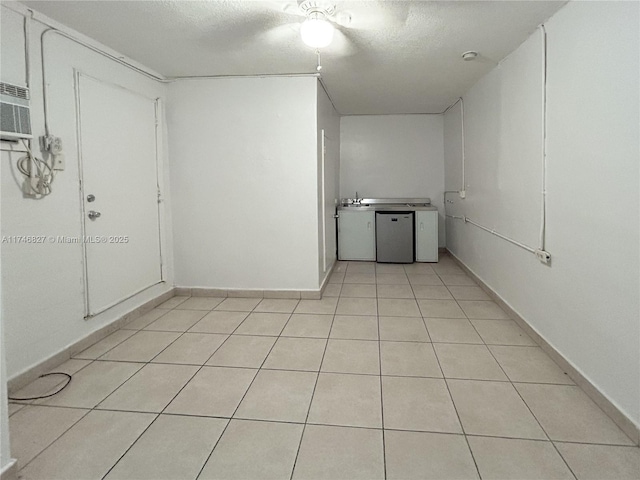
543	222
540	252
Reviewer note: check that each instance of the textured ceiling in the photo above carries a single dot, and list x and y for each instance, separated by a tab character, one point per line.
393	57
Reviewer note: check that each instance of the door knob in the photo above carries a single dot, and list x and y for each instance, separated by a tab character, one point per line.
90	198
93	214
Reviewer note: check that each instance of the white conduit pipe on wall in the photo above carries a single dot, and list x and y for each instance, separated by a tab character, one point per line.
27	50
544	165
33	16
461	102
543	224
122	62
493	232
86	45
464	178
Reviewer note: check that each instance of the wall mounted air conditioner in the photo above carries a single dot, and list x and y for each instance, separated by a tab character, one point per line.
15	121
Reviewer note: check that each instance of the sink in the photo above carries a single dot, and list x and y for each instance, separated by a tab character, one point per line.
386	204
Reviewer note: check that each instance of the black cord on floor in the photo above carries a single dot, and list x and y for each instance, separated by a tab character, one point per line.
15	399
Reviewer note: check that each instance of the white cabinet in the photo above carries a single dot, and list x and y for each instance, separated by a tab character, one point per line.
356	235
426	236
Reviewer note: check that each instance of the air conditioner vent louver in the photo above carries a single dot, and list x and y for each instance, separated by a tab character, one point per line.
15	120
14	91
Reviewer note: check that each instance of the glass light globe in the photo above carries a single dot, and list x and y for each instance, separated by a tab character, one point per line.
316	32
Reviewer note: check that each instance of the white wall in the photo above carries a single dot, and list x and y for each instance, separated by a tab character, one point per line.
329	122
43	288
392	156
5	451
503	125
244	180
586	304
10	26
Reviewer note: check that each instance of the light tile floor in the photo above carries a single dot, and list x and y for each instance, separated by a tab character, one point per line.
399	372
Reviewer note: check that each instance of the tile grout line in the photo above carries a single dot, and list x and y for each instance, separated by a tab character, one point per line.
288	422
163	349
158	414
217	348
522	399
245	392
91	361
89	410
95	408
57	438
57	385
473	457
172	399
384	447
149	362
328	371
573	384
505	373
313	393
534	416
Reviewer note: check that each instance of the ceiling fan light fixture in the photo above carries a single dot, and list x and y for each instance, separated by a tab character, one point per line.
316	31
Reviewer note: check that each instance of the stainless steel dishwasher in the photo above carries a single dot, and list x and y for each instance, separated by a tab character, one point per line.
394	237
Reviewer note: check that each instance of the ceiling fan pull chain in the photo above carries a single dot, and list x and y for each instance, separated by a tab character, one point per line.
319	67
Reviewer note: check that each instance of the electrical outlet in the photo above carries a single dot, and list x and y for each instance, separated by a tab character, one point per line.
58	162
543	256
49	143
56	146
462	193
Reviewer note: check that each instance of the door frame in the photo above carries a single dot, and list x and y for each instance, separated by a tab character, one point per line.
77	75
323	208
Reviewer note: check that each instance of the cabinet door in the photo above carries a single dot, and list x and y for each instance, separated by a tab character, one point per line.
356	236
427	236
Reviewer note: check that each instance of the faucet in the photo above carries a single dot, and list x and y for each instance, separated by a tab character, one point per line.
357	200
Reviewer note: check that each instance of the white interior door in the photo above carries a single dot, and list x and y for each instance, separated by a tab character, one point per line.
120	192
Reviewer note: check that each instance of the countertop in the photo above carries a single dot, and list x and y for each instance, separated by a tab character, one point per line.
387	207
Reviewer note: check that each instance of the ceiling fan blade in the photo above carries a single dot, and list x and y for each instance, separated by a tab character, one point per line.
341	46
249	21
285	7
292	8
365	15
279	35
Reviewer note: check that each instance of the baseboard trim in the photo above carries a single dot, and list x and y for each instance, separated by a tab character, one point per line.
246	293
10	470
29	375
325	282
619	418
256	293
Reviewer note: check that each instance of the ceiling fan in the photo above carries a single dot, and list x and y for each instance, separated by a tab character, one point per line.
318	29
338	28
335	21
